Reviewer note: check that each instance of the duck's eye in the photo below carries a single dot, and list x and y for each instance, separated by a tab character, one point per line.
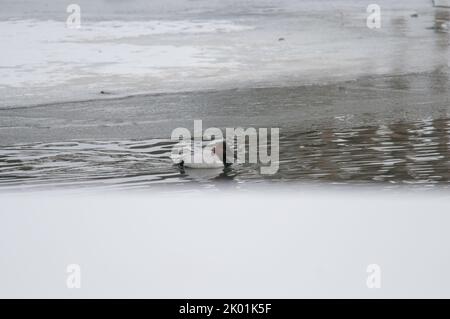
213	150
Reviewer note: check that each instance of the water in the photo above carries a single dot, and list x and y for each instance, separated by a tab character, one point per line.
401	153
389	131
415	153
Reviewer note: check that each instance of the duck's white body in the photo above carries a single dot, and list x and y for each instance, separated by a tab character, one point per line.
212	156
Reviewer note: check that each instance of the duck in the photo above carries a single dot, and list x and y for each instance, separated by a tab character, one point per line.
216	159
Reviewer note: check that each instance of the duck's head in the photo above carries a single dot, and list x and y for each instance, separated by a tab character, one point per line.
220	149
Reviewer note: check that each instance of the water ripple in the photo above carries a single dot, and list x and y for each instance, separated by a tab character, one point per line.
414	153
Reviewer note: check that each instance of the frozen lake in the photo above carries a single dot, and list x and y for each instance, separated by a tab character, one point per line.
172	46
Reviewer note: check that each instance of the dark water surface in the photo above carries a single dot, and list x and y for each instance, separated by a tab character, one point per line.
402	154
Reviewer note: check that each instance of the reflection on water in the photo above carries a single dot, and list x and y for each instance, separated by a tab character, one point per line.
410	153
401	153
